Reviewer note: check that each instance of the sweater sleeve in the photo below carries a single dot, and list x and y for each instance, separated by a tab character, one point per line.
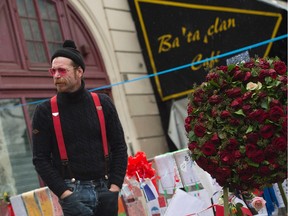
42	149
116	142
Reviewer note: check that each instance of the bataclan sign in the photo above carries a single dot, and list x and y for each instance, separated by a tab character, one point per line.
177	33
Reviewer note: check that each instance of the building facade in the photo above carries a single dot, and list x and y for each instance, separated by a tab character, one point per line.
105	33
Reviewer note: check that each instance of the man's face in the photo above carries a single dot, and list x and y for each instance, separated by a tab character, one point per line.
66	77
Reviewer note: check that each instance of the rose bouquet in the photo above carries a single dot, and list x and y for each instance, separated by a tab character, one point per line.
237	124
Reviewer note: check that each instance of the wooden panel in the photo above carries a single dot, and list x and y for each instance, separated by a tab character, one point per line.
153	146
125	41
131	62
140	105
148	126
120	20
141	86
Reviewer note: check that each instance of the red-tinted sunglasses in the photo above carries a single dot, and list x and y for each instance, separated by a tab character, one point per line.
61	71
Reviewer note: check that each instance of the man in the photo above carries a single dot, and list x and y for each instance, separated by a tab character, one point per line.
80	184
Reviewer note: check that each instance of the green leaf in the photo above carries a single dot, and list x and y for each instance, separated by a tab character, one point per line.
214	84
251	163
264	104
249	129
231	67
192	136
240	112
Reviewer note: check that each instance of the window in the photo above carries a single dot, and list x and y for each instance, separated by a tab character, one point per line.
41	28
17	173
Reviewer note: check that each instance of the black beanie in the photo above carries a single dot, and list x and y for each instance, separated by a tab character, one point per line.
70	51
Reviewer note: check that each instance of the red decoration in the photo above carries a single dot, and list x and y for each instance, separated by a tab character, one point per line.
139	167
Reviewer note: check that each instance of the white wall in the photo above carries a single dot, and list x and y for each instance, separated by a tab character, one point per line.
111	23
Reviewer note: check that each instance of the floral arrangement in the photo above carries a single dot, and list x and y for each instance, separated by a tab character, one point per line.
237	124
139	167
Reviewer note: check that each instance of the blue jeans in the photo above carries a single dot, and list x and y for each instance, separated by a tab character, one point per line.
90	198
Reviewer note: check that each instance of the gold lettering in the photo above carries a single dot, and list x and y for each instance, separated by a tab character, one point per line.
219	26
216	25
196	59
193	36
164	45
175	43
231	23
210	64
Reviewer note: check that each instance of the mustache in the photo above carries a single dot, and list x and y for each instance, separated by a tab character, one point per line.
59	81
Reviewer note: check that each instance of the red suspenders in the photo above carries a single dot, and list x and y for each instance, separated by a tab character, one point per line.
59	134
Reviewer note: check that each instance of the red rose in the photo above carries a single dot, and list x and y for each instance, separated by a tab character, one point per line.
267	131
214	113
212	76
280	143
245	178
283	79
215	139
275	113
257	115
233	144
197	100
257	156
202	162
225	114
262	95
252	138
270	153
215	99
187	123
236	103
250	64
247	95
274	166
224	171
263	74
192	146
250	149
274	102
189	109
280	67
247	76
223	68
238	75
199	130
234	121
264	170
247	109
201	116
263	63
227	158
272	73
237	154
208	148
233	93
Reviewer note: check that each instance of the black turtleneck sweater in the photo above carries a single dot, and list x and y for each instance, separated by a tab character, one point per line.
82	137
